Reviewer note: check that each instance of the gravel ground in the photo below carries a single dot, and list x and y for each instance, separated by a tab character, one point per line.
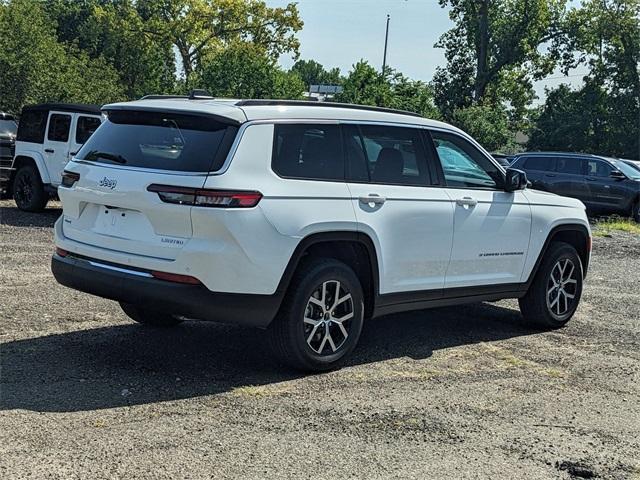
466	392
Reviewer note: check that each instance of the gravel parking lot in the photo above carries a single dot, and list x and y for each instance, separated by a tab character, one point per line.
466	392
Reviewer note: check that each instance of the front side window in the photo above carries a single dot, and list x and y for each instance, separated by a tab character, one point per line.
85	128
569	165
160	140
598	168
8	127
386	155
463	164
59	127
308	151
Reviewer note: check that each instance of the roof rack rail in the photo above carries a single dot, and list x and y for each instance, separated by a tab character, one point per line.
193	95
306	103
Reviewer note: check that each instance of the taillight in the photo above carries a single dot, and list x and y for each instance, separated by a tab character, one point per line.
174	277
206	198
69	178
61	252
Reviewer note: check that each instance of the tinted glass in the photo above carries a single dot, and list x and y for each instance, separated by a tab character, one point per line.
32	126
8	127
386	155
59	127
629	170
464	165
160	140
86	126
569	165
598	168
308	151
543	164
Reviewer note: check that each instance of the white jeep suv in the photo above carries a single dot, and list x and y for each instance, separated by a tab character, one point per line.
306	219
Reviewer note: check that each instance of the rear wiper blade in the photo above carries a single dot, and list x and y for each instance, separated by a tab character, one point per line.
95	154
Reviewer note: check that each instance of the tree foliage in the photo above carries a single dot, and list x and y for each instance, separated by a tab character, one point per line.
245	70
366	86
35	67
313	73
604	115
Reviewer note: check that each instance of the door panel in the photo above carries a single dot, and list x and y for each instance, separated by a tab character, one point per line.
604	192
491	237
56	144
412	230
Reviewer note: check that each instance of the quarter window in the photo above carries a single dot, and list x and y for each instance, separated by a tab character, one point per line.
463	164
86	126
33	124
570	165
308	151
59	127
386	155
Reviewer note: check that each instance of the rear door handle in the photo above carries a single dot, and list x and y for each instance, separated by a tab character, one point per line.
49	150
373	198
467	201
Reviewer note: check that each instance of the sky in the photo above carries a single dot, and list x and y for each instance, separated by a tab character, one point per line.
338	33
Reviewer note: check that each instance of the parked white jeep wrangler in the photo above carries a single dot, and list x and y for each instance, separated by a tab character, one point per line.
306	219
48	136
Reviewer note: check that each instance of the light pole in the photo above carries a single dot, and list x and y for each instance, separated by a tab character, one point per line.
386	41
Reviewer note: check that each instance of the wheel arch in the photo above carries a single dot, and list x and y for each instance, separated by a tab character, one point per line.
34	160
355	249
576	235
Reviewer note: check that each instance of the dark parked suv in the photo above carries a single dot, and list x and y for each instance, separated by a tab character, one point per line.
605	185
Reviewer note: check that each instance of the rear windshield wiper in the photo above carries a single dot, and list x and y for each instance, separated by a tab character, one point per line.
95	154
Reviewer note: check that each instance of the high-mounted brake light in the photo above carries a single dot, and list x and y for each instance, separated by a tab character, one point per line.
69	178
206	198
176	278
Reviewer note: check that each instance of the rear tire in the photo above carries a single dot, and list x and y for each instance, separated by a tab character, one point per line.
148	316
321	318
555	292
28	190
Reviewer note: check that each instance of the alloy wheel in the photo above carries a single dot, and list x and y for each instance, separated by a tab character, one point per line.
562	287
327	317
24	189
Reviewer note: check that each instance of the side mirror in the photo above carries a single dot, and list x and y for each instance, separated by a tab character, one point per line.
618	175
515	180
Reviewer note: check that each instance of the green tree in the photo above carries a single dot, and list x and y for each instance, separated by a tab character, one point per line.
313	73
365	85
245	70
603	116
200	28
35	67
489	125
493	43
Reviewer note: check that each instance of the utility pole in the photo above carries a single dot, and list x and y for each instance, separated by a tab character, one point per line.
386	41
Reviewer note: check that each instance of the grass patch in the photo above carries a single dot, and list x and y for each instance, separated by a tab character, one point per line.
604	228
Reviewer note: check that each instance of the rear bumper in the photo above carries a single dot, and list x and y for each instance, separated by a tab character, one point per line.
192	301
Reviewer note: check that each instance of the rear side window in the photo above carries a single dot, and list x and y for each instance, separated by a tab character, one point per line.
386	155
85	128
308	151
160	140
32	126
542	164
570	165
59	127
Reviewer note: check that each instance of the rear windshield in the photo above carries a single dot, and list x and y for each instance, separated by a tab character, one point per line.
160	140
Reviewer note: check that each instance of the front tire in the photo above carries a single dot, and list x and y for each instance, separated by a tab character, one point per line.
148	316
555	292
28	190
321	318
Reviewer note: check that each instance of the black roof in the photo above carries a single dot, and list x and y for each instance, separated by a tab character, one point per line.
64	107
6	116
